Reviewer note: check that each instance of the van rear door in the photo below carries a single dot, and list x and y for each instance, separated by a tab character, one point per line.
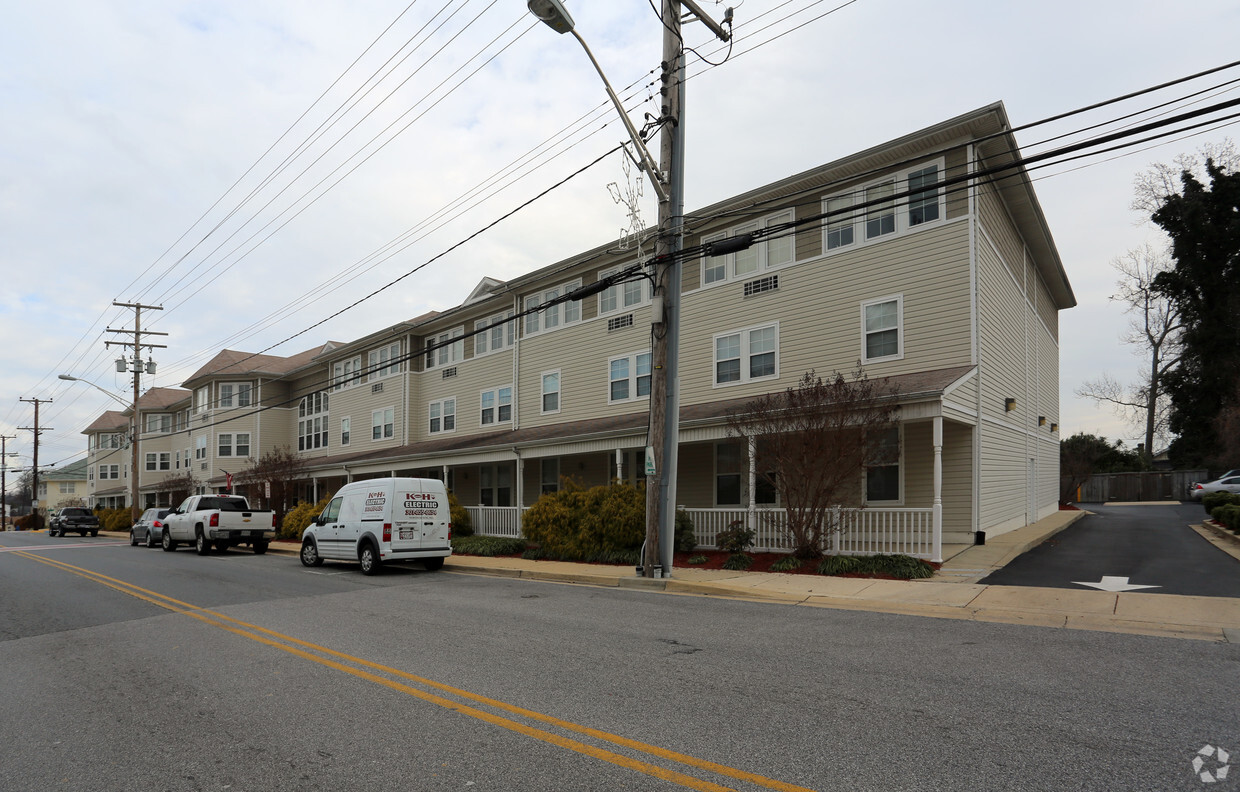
435	525
411	508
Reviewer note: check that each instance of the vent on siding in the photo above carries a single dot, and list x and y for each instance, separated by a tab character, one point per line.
769	283
377	388
203	465
449	372
619	322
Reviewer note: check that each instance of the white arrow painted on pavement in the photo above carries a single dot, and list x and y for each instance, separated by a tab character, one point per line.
1109	583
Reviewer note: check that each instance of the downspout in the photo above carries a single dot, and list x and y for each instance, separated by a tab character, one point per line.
516	365
977	346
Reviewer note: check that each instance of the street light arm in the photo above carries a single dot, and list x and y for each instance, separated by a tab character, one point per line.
96	387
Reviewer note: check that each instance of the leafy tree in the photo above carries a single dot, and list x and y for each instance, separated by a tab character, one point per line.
1082	455
1203	222
814	441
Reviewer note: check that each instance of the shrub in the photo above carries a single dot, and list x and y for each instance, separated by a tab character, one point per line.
786	564
897	566
23	523
301	516
487	545
686	537
1228	515
735	539
1212	500
115	519
462	523
738	561
577	524
698	559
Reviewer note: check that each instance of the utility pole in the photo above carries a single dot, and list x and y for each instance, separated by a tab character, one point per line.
137	345
4	484
34	467
662	454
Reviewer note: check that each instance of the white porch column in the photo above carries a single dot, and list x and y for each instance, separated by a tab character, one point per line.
619	465
520	484
752	516
937	511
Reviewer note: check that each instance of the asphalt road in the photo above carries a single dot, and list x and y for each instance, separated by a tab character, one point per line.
1150	545
262	675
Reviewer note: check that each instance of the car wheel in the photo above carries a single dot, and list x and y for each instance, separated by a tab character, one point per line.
150	538
369	558
433	564
260	546
92	533
310	554
83	533
133	538
167	543
201	543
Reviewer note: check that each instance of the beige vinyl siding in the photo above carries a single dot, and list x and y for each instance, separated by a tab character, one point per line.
956	197
964	397
358	403
997	225
818	307
957	480
473	376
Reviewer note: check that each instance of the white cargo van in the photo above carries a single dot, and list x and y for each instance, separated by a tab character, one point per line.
381	520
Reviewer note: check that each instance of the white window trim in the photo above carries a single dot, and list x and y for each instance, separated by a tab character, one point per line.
377	369
643	284
559	402
483	327
632	378
443	415
857	194
381	412
744	356
348	419
885	503
496	391
455	344
235	397
560	309
899	301
760	249
345	373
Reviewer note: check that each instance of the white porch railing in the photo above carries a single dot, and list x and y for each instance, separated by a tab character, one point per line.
865	532
496	520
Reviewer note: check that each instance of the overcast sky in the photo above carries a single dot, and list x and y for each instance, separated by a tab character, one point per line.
254	167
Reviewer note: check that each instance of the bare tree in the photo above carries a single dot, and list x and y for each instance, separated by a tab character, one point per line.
1227	425
1154	329
1159	181
279	468
814	441
180	487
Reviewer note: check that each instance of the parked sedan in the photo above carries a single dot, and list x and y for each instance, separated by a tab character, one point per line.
148	528
1226	484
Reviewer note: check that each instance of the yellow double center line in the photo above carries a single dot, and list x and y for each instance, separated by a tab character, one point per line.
331	658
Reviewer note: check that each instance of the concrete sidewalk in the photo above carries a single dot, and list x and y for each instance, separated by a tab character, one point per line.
953	593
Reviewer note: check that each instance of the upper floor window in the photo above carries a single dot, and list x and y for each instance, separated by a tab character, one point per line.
345	373
628	377
623	296
883	214
233	445
312	422
67	488
344	431
235	394
445	348
200	447
551	317
382	424
495	333
775	251
745	355
161	424
551	392
496	406
442	416
202	399
383	362
882	329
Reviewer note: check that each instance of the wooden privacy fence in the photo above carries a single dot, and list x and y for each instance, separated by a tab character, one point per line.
1146	486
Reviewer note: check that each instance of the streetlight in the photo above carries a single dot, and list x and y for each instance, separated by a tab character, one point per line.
133	439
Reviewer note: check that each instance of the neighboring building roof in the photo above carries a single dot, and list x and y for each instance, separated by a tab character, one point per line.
110	421
74	471
231	362
160	398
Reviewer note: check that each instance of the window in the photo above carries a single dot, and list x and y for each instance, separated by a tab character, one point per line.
382	424
67	487
158	424
551	392
747	355
882	475
178	460
882	329
628	377
42	489
109	471
226	394
152	462
550	475
344	431
235	394
202	399
442	350
383	362
234	445
900	202
761	255
443	416
200	447
496	406
727	474
495	485
623	296
553	316
499	334
312	413
345	373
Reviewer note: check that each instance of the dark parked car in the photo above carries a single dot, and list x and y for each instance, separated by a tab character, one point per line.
74	519
148	528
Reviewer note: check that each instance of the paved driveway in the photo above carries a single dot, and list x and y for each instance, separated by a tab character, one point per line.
1129	546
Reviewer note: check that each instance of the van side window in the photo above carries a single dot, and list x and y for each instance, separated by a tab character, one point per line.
332	512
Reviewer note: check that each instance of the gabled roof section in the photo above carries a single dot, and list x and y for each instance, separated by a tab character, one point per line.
162	398
231	362
110	421
483	290
74	471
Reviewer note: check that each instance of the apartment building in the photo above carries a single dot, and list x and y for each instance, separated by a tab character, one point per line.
927	259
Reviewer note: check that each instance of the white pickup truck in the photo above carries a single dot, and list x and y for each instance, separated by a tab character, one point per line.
218	521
